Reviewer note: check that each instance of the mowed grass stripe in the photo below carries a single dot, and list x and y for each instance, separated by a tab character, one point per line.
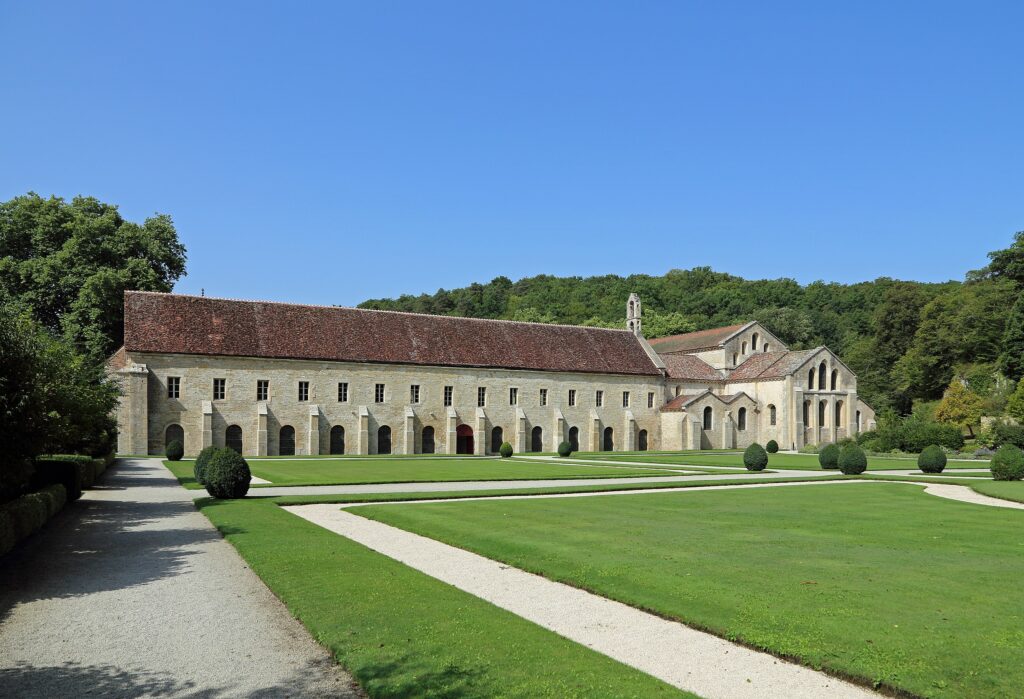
800	462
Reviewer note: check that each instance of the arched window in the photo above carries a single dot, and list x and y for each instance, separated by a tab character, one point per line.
641	441
286	441
766	347
574	438
858	421
174	433
835	379
608	443
497	437
384	439
771	415
753	343
337	440
735	359
807	413
233	438
464	443
743	348
428	440
741	419
537	439
708	417
821	376
822	406
810	380
839	413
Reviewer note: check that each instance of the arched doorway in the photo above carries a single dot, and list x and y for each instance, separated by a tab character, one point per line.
537	439
286	441
574	438
428	440
641	440
233	438
497	437
608	443
741	419
464	439
174	433
337	440
384	440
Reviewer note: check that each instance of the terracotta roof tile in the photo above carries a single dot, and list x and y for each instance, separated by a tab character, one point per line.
677	404
688	366
689	342
172	323
755	365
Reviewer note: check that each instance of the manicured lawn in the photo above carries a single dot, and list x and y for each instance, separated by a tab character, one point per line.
877	580
802	462
401	633
1008	490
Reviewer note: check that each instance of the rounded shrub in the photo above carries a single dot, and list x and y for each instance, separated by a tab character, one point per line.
505	450
932	459
755	458
828	457
1008	463
227	474
772	447
564	449
852	460
199	470
175	450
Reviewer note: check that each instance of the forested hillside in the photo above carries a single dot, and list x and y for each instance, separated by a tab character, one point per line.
906	340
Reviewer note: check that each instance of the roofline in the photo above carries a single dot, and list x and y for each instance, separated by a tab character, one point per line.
817	349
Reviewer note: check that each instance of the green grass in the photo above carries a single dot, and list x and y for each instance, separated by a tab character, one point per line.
401	633
876	581
1007	490
801	462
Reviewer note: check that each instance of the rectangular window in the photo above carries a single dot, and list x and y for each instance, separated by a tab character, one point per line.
650	399
572	397
343	392
262	389
481	397
414	393
219	389
543	397
513	396
625	399
599	398
303	391
448	391
174	387
378	393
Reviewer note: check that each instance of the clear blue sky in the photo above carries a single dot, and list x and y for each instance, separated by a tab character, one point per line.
334	152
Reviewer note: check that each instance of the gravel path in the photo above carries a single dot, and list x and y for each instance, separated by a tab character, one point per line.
686	658
965	494
131	592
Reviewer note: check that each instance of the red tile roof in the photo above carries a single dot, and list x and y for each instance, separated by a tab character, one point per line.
679	403
755	365
688	366
689	342
172	323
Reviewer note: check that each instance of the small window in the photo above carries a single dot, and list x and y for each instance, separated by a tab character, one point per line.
414	393
766	347
735	359
448	391
481	397
572	397
219	388
753	343
771	415
343	392
625	399
543	397
708	418
741	419
599	398
262	389
513	396
174	387
650	399
303	391
378	394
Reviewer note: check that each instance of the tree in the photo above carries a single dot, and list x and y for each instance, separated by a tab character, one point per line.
1015	405
1011	358
1007	264
70	263
960	407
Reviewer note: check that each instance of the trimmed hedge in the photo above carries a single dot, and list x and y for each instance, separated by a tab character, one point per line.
755	458
932	459
199	470
829	456
852	460
565	449
772	447
1008	463
24	516
227	474
175	450
505	450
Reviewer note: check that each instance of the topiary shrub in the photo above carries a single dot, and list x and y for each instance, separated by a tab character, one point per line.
932	459
772	447
1008	463
227	474
505	450
175	450
755	458
564	449
828	457
852	460
199	470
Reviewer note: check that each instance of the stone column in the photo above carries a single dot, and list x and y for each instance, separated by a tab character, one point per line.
558	428
798	418
480	440
629	441
694	436
363	443
521	428
313	434
409	431
207	432
595	431
261	429
851	413
451	433
728	435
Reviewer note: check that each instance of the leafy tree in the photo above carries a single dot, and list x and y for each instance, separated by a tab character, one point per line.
1015	404
1011	358
960	407
70	264
1006	264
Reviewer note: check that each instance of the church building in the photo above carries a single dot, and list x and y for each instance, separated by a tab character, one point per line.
280	379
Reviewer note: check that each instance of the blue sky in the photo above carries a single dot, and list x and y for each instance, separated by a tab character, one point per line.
333	152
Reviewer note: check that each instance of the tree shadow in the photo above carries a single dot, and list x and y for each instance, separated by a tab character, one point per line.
450	681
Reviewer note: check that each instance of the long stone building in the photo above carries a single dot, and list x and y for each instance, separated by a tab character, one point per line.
276	379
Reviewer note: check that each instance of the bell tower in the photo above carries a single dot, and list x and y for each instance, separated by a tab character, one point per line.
633	315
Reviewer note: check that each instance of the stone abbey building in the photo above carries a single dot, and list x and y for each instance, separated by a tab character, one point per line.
276	379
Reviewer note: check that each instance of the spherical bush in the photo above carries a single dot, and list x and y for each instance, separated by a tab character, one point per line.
175	450
772	447
505	450
829	456
1008	463
755	458
852	460
932	459
201	462
564	449
227	474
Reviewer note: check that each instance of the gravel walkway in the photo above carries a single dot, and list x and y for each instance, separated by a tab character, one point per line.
965	494
131	592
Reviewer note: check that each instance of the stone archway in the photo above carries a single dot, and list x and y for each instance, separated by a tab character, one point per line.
464	439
